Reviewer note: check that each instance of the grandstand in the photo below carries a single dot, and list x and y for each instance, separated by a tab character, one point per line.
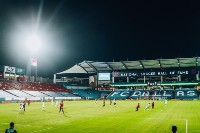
161	78
13	90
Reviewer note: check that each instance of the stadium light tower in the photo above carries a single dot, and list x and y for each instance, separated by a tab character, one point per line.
33	44
30	37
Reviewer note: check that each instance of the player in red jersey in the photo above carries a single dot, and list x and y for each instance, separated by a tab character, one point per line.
137	107
61	106
110	101
152	105
104	103
104	100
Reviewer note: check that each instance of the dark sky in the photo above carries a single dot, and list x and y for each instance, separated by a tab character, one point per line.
99	31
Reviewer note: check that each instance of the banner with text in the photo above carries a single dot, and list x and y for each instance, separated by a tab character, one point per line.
186	94
192	71
189	93
20	71
8	69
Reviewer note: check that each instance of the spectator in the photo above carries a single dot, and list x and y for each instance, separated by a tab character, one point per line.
11	129
174	129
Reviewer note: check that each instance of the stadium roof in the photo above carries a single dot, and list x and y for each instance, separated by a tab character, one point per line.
89	67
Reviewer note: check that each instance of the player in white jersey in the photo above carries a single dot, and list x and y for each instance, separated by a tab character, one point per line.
96	101
21	106
148	106
52	101
165	102
43	106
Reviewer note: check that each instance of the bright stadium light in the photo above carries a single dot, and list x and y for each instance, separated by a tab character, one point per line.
33	43
31	36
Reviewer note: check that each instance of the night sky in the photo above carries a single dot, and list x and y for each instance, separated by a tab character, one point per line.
99	31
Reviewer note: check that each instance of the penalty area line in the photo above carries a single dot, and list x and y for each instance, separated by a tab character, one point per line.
186	120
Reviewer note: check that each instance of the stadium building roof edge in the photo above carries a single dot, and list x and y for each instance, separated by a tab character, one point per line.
90	67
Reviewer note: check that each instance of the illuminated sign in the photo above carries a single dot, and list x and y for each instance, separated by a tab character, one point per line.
103	76
155	73
9	69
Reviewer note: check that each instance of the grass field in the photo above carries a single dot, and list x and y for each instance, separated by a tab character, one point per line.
87	117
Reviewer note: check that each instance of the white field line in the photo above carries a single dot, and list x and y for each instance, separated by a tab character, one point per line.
186	120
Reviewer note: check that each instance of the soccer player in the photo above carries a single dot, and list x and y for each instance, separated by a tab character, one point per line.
165	102
110	101
148	106
21	106
104	100
24	106
11	129
105	96
137	107
43	106
152	105
104	103
96	101
114	102
61	106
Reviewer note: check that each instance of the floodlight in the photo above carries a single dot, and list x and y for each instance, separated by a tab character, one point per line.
33	43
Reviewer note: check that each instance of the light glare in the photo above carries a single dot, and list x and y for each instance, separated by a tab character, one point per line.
33	43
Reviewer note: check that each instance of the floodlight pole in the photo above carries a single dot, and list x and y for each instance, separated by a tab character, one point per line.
36	73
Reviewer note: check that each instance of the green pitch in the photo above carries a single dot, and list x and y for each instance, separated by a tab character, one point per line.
87	117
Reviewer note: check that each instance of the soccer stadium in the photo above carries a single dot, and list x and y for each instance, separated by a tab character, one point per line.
93	66
154	96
